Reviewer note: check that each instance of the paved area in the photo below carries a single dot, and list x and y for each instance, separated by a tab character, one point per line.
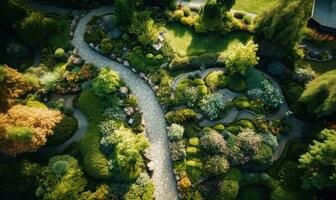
164	180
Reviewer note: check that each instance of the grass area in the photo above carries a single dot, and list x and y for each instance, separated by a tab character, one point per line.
186	42
319	67
253	192
255	6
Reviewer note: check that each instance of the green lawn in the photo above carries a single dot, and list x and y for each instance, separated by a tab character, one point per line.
185	42
255	6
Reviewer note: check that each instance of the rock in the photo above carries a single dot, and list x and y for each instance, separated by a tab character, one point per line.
157	46
142	75
97	48
150	166
130	121
129	110
91	45
124	48
134	70
114	34
161	38
156	88
75	60
75	51
71	34
113	56
123	90
126	63
119	60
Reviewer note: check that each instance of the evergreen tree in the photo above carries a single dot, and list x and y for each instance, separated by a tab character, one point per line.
319	162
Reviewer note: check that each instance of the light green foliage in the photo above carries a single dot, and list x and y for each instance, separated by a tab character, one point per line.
175	132
195	141
283	25
59	53
241	58
51	79
19	133
128	150
180	116
216	165
319	162
320	94
107	82
62	180
142	25
143	189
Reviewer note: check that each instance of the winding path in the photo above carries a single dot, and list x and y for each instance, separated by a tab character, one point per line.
164	180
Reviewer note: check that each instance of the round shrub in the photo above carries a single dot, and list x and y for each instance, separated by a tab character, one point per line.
177	150
149	56
59	53
248	20
213	143
106	46
198	81
216	165
125	36
60	167
234	174
106	82
194	141
213	106
228	190
175	132
159	57
219	127
191	151
178	14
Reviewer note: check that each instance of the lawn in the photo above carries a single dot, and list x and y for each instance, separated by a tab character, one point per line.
185	42
255	6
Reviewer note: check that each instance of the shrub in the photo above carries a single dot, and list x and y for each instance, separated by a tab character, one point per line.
175	132
192	151
19	133
184	184
263	157
248	20
106	46
50	80
107	82
213	106
290	174
149	56
233	174
143	188
276	69
178	14
177	150
180	116
303	74
236	83
194	164
219	127
194	141
269	139
268	94
59	53
281	192
216	165
239	14
228	190
63	131
60	167
213	143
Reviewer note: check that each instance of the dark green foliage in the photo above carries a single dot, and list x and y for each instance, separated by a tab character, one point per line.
106	46
94	34
18	179
161	3
280	192
290	175
236	83
263	156
228	190
124	9
283	25
143	188
37	29
63	131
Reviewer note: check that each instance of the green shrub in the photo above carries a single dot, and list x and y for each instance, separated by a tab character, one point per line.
180	116
19	133
159	57
192	151
106	46
63	131
125	36
246	124
234	174
228	190
248	20
149	56
236	84
107	82
94	161
195	141
219	127
59	53
194	164
60	167
178	14
239	14
94	35
233	129
215	165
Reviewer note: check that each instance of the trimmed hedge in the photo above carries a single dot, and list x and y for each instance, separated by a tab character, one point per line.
94	161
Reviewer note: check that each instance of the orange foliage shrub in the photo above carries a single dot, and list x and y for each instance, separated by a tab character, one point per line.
184	184
13	85
40	120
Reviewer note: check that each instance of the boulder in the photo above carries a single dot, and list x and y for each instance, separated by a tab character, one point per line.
123	90
75	60
126	63
119	60
129	111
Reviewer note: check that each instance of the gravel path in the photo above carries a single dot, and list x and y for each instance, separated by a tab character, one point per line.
164	180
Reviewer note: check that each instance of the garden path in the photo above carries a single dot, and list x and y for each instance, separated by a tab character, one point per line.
82	125
163	177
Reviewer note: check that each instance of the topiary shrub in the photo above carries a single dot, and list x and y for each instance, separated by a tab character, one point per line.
175	132
59	53
106	46
19	133
213	143
60	167
180	116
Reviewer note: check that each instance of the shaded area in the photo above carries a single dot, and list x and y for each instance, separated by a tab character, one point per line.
255	6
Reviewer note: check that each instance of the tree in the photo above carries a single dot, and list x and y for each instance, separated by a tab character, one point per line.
124	9
241	58
319	163
226	4
142	25
63	179
25	129
106	83
320	95
283	25
36	29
